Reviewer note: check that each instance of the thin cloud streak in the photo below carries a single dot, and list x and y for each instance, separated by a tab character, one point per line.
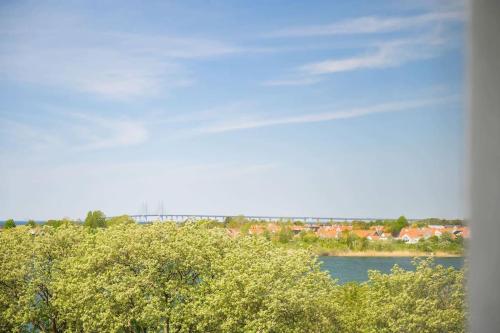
66	52
387	54
108	134
423	37
384	54
72	132
292	82
371	25
326	116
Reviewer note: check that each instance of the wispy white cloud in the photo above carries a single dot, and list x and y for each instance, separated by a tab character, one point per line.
69	53
72	131
419	37
235	125
300	81
370	25
95	133
386	54
383	54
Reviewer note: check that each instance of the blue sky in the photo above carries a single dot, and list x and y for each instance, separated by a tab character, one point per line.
317	108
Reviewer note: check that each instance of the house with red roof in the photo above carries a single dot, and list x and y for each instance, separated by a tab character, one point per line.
273	228
327	232
297	229
363	233
458	231
382	236
411	235
333	231
256	229
233	232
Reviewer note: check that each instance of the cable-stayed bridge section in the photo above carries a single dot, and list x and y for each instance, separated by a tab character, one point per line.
147	218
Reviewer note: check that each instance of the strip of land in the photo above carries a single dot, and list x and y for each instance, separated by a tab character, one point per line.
388	254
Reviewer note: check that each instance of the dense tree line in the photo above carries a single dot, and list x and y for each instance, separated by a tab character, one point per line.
195	278
350	242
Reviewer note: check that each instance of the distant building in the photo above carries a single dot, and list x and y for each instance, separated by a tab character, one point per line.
297	229
459	231
363	233
233	232
273	228
333	231
411	235
256	229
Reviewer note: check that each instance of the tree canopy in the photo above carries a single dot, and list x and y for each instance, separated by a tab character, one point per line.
31	223
196	278
117	220
9	224
95	219
396	226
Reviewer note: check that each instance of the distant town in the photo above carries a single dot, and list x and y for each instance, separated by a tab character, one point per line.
411	235
323	236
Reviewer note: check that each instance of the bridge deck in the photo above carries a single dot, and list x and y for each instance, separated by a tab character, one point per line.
222	218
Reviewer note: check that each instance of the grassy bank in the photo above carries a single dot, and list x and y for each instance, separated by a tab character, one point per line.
370	253
356	247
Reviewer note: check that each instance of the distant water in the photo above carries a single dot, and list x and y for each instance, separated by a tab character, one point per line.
347	269
21	222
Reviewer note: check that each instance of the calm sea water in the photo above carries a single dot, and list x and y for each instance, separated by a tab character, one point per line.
347	269
21	222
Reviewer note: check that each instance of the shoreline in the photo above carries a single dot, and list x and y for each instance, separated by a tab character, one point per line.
389	254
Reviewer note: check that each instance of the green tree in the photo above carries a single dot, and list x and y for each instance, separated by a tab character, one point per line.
308	237
58	223
353	299
430	299
196	278
9	224
446	238
360	225
191	279
396	226
31	224
284	234
245	228
235	221
95	219
118	220
29	266
402	221
261	288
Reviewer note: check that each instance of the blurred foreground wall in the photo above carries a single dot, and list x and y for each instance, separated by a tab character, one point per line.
484	152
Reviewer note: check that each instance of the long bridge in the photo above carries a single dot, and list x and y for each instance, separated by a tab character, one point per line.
145	218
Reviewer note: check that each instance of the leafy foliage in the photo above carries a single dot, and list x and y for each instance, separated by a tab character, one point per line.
31	224
117	220
195	278
431	299
95	219
28	265
395	227
9	224
58	223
